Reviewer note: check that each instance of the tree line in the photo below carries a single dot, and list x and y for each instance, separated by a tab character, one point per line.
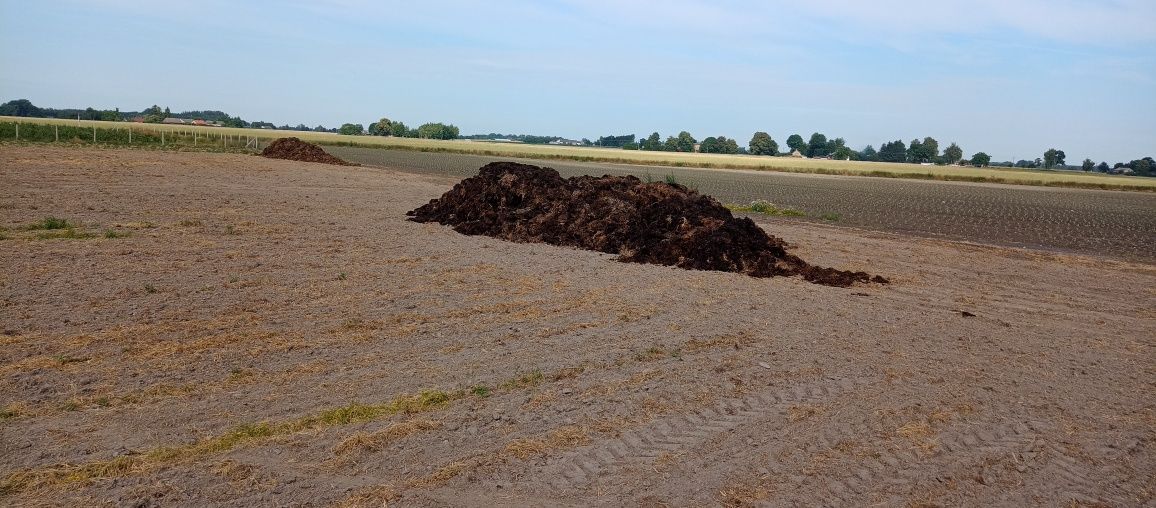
917	151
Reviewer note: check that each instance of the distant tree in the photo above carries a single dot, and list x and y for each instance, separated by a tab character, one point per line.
652	142
842	153
398	129
437	131
762	144
671	144
630	146
710	145
383	127
915	151
835	144
980	160
1060	156
894	151
351	129
817	147
729	145
20	107
1088	165
1050	158
615	141
1102	167
1142	167
795	142
952	154
868	153
686	142
920	152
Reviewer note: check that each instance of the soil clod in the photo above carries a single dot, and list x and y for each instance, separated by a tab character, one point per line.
656	223
296	150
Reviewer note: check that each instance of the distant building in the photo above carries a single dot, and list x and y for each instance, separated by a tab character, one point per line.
175	121
565	142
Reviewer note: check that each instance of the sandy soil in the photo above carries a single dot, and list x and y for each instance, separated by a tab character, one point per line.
214	356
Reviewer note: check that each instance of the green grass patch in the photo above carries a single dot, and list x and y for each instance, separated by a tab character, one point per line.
68	234
111	233
767	208
829	216
532	378
49	223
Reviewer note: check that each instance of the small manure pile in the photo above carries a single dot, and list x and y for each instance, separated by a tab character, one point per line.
658	223
296	150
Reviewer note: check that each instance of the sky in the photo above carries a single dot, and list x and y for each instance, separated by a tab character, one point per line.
1009	78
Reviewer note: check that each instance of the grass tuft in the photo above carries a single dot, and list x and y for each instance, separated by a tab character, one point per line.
50	223
767	208
70	234
829	216
532	378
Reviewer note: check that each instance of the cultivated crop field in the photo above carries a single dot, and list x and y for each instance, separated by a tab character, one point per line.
1110	223
593	154
227	329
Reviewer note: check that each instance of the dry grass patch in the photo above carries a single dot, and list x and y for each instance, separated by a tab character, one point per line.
802	412
379	440
570	436
238	436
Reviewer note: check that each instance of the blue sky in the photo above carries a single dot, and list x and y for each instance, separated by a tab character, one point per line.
1011	78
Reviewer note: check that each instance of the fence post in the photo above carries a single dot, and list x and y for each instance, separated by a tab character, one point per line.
94	134
17	132
56	128
130	135
162	137
194	138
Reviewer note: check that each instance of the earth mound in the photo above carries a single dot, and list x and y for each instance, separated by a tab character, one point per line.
296	150
657	223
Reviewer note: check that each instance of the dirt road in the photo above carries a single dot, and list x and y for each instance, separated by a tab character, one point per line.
275	333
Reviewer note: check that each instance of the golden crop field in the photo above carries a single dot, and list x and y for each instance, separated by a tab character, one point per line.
677	159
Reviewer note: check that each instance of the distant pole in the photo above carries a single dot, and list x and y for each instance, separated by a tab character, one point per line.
162	137
94	133
194	138
57	129
17	132
130	135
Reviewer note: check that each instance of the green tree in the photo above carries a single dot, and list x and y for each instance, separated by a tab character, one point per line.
630	146
398	129
730	145
383	127
652	142
437	131
671	144
1088	165
20	107
980	160
923	151
868	154
1050	157
894	151
763	144
795	142
817	147
1102	167
953	154
710	145
842	153
686	142
351	129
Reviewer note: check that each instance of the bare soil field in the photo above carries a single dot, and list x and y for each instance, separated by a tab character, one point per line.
268	332
1119	224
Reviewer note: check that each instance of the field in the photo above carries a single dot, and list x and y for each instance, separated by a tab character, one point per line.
260	332
1107	223
590	154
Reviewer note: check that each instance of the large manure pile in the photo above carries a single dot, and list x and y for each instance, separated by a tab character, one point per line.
658	223
296	150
